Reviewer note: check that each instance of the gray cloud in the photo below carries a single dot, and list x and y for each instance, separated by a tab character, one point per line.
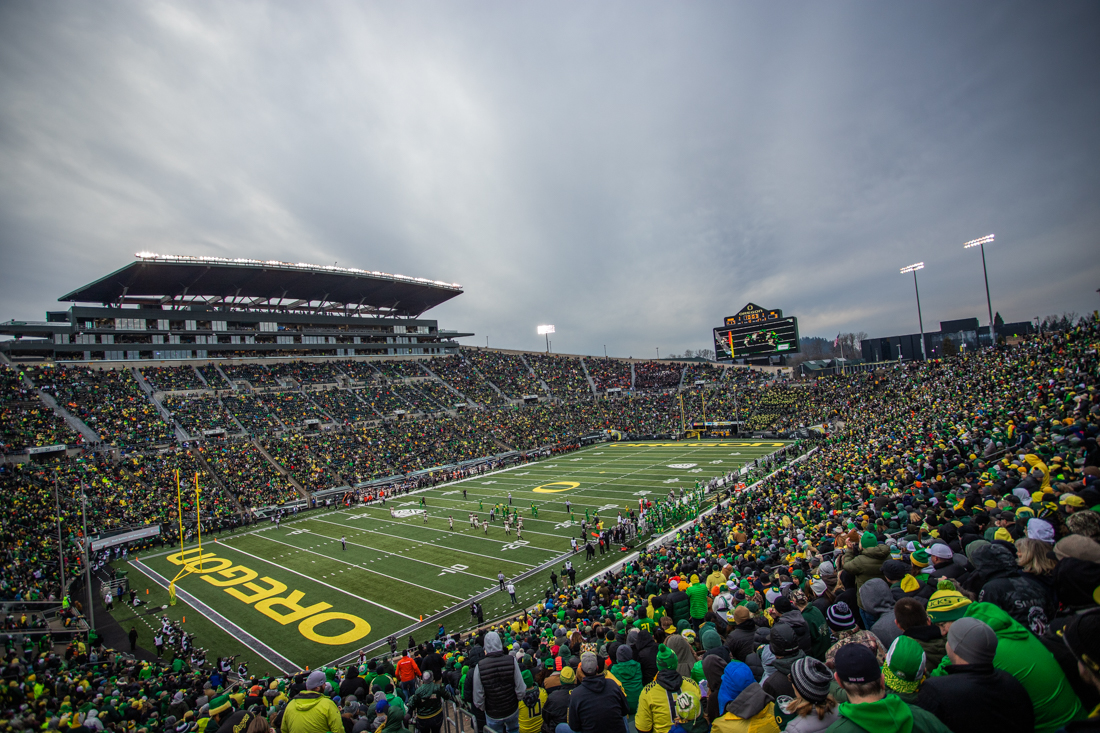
630	172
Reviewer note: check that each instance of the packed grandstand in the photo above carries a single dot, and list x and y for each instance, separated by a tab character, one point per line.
930	563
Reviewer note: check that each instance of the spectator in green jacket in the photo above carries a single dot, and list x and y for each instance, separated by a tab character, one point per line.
311	711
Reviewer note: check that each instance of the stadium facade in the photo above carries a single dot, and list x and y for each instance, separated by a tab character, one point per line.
960	334
163	307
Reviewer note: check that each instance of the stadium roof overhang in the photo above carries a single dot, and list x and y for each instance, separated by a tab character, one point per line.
171	281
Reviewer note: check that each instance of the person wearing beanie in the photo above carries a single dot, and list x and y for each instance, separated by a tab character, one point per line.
555	711
813	708
310	711
905	668
975	695
627	673
741	639
820	639
427	703
530	707
869	708
863	559
1025	657
946	606
654	711
843	625
597	704
743	704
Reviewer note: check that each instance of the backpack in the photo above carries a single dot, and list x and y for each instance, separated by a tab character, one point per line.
532	698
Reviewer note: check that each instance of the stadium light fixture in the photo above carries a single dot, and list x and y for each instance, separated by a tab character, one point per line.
546	331
920	320
980	243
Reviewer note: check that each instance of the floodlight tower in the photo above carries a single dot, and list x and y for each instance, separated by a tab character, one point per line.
980	243
920	320
546	331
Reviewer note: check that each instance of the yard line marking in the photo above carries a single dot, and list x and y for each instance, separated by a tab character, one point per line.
360	567
333	587
422	542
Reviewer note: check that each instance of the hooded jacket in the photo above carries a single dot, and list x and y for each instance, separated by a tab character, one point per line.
498	683
865	565
684	654
656	711
311	712
741	642
597	705
888	714
556	708
878	599
1022	655
976	697
629	676
645	653
752	711
797	622
713	667
998	580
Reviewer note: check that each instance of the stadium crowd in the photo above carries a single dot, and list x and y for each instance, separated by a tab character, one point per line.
932	566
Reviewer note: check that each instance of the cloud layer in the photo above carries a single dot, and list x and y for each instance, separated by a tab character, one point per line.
631	172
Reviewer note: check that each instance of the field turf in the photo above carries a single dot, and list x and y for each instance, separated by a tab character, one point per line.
293	596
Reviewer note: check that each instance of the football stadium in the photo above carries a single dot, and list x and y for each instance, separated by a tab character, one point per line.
595	463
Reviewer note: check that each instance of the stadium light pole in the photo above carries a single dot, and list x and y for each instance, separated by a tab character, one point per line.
546	331
980	244
920	319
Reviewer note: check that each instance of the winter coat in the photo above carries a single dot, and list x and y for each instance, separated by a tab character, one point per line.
697	599
820	639
678	606
865	565
1022	655
645	653
713	666
888	714
629	677
655	711
556	708
797	622
597	705
753	711
978	697
741	641
811	723
998	580
684	653
311	712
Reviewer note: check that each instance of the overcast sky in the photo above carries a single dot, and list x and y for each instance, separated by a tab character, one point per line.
630	172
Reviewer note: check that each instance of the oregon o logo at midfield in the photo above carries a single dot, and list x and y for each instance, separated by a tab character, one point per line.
566	486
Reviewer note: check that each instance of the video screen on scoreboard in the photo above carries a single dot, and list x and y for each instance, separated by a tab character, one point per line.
779	336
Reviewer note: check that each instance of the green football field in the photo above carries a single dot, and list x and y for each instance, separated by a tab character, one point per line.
295	596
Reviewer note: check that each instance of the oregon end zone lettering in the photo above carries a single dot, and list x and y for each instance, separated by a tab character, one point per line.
267	597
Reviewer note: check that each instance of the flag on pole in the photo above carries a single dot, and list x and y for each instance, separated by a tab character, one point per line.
836	342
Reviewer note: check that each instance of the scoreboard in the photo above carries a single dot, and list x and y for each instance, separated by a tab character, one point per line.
756	332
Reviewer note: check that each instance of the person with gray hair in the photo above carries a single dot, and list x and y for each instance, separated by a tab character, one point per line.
975	695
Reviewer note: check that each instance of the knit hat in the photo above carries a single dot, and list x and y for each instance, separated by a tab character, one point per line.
811	678
528	678
1040	529
590	664
624	653
920	558
1082	637
973	640
894	570
946	604
666	658
940	550
568	676
817	585
316	679
220	704
868	540
840	616
856	664
905	665
741	615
